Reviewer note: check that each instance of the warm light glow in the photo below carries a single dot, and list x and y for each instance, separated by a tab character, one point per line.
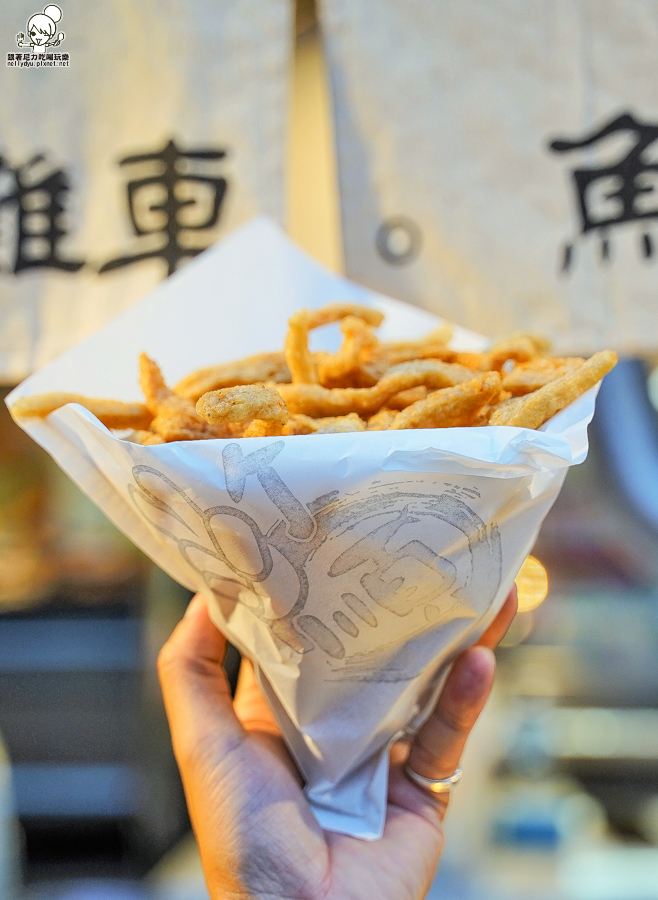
531	584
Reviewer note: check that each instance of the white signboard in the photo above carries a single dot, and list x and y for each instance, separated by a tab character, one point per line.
499	161
132	135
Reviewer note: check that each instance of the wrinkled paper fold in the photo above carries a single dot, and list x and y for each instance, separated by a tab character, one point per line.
351	568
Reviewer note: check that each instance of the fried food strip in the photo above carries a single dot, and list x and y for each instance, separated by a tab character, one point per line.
527	377
451	407
252	370
518	348
334	312
341	424
484	414
175	418
262	428
439	337
299	358
381	420
532	410
317	401
112	413
141	437
256	405
335	369
330	425
406	398
377	361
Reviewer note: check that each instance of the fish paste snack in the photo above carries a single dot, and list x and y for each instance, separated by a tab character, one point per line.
367	385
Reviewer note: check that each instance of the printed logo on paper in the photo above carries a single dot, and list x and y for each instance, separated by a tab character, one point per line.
41	35
331	576
612	195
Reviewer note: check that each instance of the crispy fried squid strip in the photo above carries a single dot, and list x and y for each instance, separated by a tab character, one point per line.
437	338
406	398
334	312
252	370
334	369
451	407
146	438
376	361
532	410
175	417
527	377
300	424
112	413
381	420
298	356
259	407
315	400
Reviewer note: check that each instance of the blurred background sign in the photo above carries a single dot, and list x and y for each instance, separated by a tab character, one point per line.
164	130
498	163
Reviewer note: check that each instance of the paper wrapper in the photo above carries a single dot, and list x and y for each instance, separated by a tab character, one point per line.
351	568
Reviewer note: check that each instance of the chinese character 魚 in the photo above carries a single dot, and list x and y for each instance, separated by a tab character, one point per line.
611	195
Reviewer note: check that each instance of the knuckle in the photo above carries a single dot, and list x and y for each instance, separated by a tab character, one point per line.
168	659
174	661
459	721
425	754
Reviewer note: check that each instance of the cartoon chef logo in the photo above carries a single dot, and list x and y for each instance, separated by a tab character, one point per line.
42	30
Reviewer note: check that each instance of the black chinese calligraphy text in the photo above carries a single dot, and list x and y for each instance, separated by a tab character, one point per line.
36	196
173	172
628	188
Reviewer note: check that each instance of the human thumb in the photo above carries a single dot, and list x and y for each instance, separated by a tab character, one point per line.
196	692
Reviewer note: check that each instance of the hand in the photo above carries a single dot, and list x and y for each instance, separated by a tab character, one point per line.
257	837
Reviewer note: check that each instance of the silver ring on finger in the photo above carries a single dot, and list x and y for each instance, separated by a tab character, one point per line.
435	785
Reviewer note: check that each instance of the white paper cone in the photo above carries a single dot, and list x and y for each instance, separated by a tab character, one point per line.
350	567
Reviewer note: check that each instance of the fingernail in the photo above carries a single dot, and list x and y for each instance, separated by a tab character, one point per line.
481	661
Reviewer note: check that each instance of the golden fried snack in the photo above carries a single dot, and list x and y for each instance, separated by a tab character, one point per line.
366	385
406	398
439	337
334	312
112	413
381	420
256	404
519	347
451	407
337	369
300	424
532	410
252	370
300	360
376	362
298	356
317	401
175	418
530	376
145	438
179	426
261	428
341	424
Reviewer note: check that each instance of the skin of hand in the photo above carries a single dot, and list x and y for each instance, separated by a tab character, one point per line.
257	837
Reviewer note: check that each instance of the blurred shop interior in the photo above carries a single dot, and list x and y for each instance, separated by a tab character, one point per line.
561	799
